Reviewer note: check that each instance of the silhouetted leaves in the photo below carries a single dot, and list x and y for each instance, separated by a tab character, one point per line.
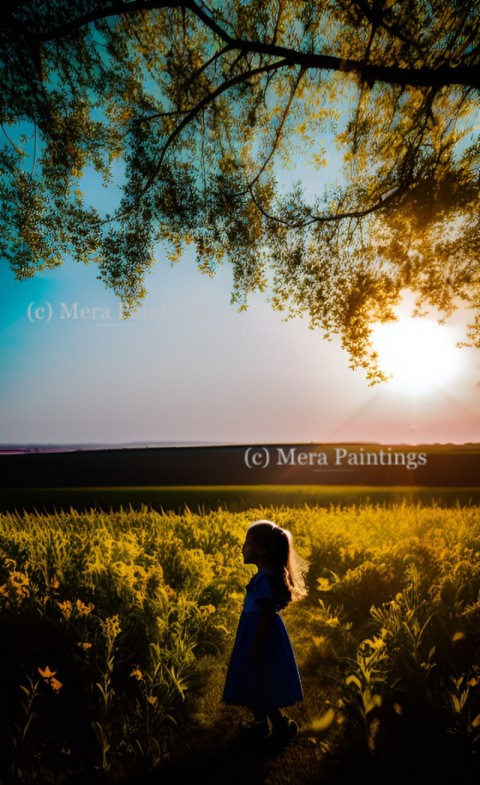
193	113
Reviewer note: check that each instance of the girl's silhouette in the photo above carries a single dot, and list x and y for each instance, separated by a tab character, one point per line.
262	673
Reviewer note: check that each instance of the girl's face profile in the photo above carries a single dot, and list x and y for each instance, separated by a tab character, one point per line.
250	549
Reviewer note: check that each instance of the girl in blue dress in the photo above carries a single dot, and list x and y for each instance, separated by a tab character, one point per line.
262	673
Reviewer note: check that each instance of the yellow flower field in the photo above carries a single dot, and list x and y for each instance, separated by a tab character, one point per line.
118	627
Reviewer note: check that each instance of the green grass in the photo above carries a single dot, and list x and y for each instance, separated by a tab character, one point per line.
234	497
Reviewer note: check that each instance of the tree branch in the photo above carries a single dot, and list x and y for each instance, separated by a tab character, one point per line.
190	116
425	76
382	202
392	29
187	84
279	130
415	77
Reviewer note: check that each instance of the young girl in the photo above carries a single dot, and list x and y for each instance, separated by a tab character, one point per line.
262	673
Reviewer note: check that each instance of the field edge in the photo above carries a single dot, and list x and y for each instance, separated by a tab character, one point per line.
209	497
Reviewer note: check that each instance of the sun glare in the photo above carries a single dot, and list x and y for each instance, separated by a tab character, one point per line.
419	354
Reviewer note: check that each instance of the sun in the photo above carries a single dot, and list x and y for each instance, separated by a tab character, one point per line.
420	354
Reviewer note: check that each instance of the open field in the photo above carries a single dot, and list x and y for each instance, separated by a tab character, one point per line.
233	497
318	465
116	629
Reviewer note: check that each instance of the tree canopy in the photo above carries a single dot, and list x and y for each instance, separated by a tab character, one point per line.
327	150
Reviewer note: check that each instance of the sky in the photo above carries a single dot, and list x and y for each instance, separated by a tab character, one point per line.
189	368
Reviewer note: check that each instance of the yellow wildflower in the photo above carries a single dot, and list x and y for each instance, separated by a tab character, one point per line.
19	578
323	584
84	609
111	627
16	589
332	621
49	678
55	684
66	608
47	673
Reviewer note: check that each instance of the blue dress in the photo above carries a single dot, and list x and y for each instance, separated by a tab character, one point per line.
269	680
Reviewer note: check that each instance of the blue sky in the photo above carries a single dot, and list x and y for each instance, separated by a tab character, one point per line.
190	368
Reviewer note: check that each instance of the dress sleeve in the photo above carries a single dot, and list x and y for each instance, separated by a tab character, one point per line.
263	589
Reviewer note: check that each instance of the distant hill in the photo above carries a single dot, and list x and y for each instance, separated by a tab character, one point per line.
298	464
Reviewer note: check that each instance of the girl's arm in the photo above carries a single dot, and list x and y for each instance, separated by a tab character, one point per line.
267	612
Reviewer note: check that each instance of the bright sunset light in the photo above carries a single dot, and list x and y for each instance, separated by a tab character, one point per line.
420	354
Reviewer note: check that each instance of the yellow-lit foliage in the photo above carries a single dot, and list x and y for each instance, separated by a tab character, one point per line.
329	149
131	614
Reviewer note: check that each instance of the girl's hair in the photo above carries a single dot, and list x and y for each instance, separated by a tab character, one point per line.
289	568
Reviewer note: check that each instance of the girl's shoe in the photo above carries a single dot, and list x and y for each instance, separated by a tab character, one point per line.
255	730
284	730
